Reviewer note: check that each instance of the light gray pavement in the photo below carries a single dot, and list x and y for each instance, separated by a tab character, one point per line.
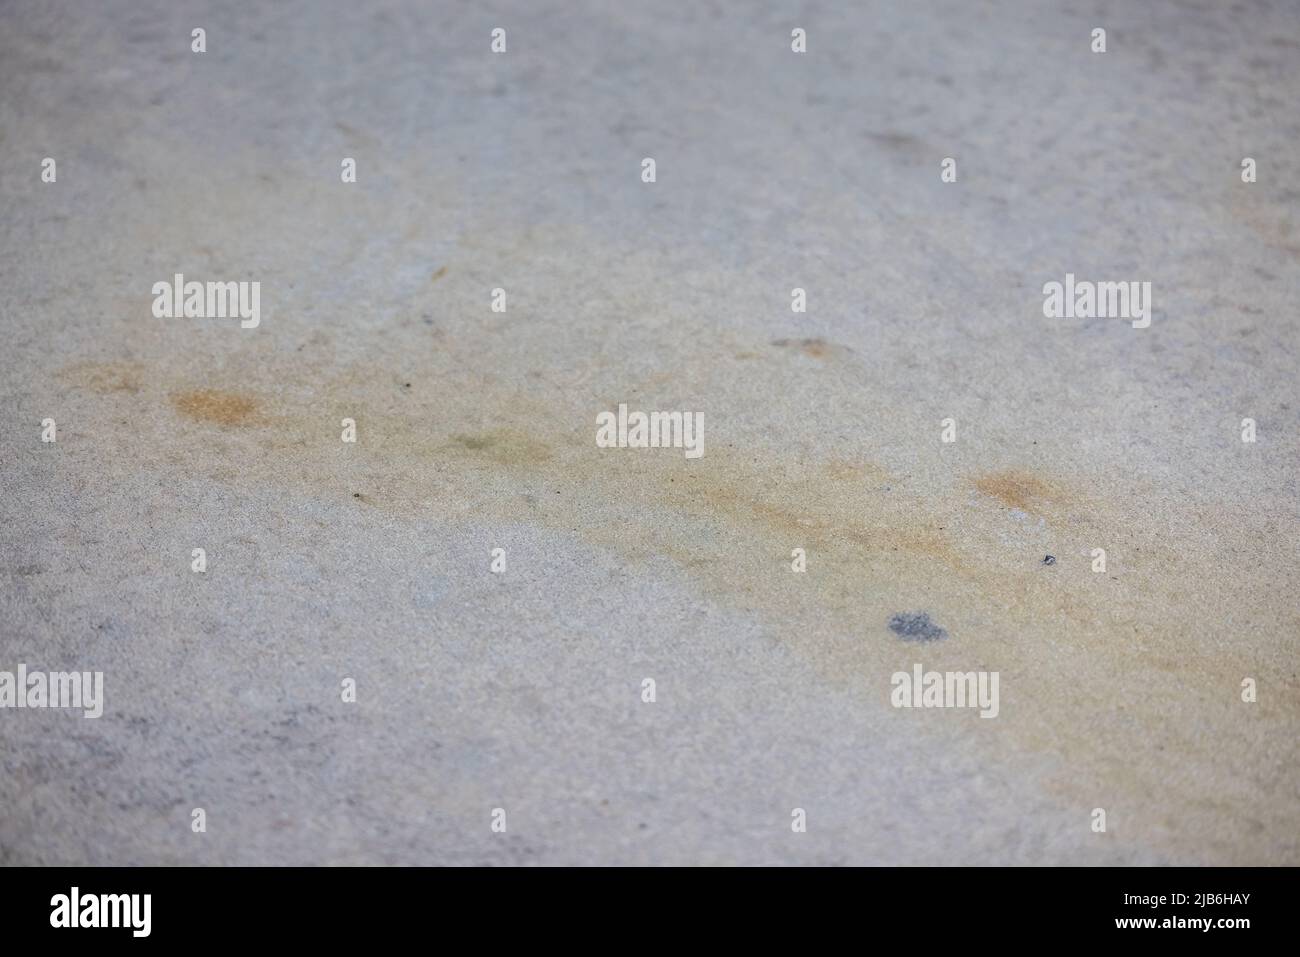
522	690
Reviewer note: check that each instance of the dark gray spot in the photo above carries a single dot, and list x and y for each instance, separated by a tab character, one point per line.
897	141
1049	560
916	626
112	628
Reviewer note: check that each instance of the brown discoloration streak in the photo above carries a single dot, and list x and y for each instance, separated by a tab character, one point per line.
507	447
814	348
464	445
217	407
1016	489
845	471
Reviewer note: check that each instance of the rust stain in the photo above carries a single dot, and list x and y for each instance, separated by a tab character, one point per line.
846	471
815	348
466	443
1017	489
215	406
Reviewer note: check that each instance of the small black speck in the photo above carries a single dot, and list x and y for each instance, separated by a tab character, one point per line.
356	494
916	626
1049	560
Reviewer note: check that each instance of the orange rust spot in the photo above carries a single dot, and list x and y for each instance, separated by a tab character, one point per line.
215	406
1016	489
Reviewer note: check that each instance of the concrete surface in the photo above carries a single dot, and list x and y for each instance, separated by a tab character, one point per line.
522	690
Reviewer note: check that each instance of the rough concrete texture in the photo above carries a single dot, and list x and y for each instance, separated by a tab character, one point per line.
1120	690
